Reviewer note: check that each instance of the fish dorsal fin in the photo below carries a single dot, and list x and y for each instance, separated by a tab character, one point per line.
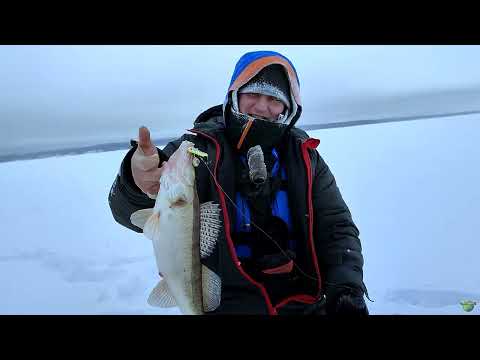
210	228
161	296
211	289
140	217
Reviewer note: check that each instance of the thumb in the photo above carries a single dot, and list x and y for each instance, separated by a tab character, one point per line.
144	141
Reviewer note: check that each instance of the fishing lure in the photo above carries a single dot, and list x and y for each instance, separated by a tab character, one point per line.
197	154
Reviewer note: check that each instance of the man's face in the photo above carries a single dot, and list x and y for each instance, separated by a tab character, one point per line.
261	106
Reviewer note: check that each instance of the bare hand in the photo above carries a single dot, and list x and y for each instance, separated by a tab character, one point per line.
145	171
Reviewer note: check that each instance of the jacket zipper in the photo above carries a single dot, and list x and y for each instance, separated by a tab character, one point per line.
308	144
311	144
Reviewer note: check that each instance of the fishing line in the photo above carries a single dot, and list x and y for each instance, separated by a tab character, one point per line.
270	238
255	225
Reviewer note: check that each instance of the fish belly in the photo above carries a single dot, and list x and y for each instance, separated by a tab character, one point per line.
178	257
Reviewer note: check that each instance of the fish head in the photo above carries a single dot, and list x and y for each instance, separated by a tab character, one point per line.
178	177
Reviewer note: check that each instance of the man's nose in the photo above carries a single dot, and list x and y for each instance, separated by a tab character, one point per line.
261	104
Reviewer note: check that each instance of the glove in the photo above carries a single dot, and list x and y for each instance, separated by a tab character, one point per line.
351	306
345	301
317	308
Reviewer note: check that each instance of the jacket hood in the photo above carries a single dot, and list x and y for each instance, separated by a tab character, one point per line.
252	63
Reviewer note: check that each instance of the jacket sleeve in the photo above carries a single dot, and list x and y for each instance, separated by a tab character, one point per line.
125	197
337	240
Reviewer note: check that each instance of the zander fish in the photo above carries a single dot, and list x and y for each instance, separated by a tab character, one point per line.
182	232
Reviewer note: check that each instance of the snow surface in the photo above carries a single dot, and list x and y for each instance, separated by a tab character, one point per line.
412	188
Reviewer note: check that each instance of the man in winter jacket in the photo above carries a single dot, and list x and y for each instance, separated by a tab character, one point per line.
288	244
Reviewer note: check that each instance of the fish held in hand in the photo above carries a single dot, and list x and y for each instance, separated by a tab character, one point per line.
183	232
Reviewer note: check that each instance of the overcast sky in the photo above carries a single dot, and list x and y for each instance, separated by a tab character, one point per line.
60	96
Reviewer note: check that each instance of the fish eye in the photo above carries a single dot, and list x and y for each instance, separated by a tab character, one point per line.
179	203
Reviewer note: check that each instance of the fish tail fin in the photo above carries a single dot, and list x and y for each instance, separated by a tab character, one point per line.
211	289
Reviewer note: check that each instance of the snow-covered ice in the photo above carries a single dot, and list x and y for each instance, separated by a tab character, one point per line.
412	188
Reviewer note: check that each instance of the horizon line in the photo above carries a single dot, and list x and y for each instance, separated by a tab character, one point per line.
114	146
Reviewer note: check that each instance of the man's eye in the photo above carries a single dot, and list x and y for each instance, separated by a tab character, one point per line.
253	95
